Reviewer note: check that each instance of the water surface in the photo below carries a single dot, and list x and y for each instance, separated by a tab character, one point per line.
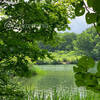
56	76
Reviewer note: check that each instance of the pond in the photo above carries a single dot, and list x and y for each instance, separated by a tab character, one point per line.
55	76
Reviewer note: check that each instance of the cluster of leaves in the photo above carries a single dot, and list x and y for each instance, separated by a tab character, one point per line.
93	11
9	90
83	75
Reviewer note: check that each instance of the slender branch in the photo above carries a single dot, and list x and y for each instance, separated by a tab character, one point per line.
86	6
90	12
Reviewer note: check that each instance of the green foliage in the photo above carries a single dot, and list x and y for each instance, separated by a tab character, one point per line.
9	90
96	50
25	24
62	94
87	43
92	11
65	43
79	9
61	57
75	45
86	62
91	18
83	75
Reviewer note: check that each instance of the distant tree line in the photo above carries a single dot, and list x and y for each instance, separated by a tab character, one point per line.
87	43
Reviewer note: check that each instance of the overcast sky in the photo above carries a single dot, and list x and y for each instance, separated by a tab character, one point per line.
78	25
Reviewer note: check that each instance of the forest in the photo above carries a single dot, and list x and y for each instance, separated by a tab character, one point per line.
72	46
37	62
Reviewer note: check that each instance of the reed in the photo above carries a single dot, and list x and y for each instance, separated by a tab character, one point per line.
61	94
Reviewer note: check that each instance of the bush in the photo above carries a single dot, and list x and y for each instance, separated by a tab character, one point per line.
61	57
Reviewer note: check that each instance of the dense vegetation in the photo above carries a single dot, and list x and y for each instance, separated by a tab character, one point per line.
72	46
64	94
23	25
26	23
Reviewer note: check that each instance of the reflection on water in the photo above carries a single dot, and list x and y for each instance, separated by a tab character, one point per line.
56	76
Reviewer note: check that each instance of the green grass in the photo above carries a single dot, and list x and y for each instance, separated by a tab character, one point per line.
36	69
62	94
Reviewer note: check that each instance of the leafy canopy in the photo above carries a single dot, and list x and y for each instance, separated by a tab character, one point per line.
24	24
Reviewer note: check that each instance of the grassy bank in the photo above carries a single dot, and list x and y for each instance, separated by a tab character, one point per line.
62	94
61	57
36	69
